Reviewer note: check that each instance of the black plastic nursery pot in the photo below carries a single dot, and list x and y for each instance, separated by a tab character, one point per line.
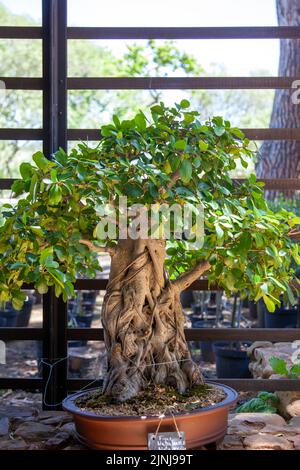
24	315
207	352
231	362
9	316
281	318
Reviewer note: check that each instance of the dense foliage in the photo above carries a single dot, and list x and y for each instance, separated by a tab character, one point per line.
170	157
265	402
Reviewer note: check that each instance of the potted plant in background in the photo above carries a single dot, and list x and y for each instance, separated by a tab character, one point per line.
287	314
57	228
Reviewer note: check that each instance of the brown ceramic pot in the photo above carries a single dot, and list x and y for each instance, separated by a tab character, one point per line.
131	433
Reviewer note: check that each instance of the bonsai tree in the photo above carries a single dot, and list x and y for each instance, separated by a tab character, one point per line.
54	234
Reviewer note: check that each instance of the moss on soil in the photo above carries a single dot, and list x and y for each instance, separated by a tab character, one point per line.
154	401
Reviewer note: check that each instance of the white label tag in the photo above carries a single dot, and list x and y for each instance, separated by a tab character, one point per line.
166	441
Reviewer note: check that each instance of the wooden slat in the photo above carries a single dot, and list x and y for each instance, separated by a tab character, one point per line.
20	383
180	83
21	134
22	83
256	32
21	32
252	134
206	334
16	334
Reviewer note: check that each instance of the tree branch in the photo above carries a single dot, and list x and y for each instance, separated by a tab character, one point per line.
295	234
99	249
187	278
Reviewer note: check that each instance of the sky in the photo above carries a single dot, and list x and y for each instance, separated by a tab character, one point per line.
240	57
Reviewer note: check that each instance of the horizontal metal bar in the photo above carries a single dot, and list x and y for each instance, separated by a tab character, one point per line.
273	134
206	334
238	384
5	183
179	83
256	32
77	384
252	134
100	284
22	83
21	32
15	334
20	383
268	385
21	134
242	334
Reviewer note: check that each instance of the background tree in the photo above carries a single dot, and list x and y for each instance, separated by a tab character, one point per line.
281	159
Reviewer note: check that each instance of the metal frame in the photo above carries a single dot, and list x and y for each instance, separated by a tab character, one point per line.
54	83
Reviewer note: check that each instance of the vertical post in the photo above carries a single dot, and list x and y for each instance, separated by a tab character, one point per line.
55	128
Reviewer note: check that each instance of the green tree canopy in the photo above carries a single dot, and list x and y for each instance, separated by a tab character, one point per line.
171	157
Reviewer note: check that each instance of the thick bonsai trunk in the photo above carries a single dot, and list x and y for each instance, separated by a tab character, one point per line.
143	322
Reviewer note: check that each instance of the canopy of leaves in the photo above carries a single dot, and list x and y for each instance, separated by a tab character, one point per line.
171	158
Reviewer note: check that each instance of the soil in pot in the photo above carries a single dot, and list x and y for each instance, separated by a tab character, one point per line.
154	401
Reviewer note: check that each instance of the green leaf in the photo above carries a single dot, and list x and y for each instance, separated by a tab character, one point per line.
42	287
55	194
45	253
295	369
186	171
41	161
269	303
26	170
184	104
180	144
219	232
244	242
279	366
140	122
219	130
202	145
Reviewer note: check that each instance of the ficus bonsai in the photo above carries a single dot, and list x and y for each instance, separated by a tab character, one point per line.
49	237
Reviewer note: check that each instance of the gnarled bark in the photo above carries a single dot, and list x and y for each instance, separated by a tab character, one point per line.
143	322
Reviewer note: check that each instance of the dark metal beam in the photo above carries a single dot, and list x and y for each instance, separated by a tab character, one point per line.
21	32
22	83
270	385
259	32
55	129
20	383
17	334
180	83
252	134
206	334
5	183
21	134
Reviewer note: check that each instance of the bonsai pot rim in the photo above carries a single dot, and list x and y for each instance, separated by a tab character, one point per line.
68	405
